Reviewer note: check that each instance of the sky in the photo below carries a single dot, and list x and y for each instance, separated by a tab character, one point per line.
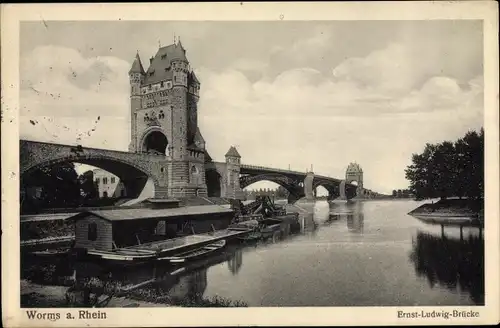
286	94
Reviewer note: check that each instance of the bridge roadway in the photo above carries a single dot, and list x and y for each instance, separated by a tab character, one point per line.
253	169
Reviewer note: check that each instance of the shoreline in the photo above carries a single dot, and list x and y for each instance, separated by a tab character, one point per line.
451	212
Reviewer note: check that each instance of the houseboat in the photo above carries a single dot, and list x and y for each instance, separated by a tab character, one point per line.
137	235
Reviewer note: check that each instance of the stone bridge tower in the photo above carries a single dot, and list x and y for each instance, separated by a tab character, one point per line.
355	173
164	119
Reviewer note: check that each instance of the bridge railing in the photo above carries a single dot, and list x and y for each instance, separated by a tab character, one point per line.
270	169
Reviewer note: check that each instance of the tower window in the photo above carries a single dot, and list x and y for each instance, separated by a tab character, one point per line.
112	179
161	84
175	78
105	180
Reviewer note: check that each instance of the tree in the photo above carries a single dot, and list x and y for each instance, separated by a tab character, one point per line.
394	193
88	186
59	186
449	169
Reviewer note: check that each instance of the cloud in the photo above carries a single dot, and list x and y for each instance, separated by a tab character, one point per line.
66	98
376	109
59	81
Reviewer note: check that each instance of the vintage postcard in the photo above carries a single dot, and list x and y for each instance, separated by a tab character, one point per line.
195	164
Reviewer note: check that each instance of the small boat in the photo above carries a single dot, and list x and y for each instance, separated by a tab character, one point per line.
264	229
123	255
51	253
195	254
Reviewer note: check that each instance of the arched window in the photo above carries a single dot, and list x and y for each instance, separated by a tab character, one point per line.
194	170
92	231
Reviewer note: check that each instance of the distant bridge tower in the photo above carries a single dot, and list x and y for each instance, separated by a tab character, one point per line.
164	119
355	173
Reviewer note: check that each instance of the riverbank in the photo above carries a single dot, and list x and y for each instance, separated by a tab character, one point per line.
43	296
46	296
450	210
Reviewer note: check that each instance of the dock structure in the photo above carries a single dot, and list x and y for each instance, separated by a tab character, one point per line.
107	230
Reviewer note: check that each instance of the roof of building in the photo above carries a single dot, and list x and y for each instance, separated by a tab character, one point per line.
208	158
137	65
159	68
46	216
232	152
151	213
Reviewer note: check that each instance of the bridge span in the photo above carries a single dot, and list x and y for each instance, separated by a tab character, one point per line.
222	179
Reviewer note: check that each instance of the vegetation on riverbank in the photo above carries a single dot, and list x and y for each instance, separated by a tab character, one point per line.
451	207
449	169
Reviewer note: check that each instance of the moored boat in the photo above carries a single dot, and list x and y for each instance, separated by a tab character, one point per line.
123	255
261	230
195	254
51	253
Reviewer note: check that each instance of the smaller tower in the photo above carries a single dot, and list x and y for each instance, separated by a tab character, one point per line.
233	165
136	77
355	173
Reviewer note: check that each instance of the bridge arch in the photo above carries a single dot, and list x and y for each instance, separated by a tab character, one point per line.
214	182
154	139
332	188
133	176
291	185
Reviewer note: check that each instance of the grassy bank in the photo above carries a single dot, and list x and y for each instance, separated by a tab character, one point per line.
451	208
46	296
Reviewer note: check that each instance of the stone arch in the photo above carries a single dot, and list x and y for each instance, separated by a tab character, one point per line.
214	182
154	139
333	189
133	176
292	186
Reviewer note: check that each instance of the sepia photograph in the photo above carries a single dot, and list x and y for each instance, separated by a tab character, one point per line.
246	163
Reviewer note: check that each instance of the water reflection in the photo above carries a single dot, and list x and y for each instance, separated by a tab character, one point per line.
455	264
351	212
189	287
235	262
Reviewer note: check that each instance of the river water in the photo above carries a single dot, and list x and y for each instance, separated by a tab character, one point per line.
363	254
359	254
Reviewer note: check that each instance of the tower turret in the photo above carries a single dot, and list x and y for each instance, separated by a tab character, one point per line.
136	78
233	165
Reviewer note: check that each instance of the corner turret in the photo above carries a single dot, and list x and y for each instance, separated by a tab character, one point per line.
136	75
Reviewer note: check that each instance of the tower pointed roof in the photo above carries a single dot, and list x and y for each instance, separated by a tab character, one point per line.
198	137
137	65
159	68
232	152
194	78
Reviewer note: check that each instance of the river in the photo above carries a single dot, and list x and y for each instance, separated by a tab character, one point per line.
360	254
